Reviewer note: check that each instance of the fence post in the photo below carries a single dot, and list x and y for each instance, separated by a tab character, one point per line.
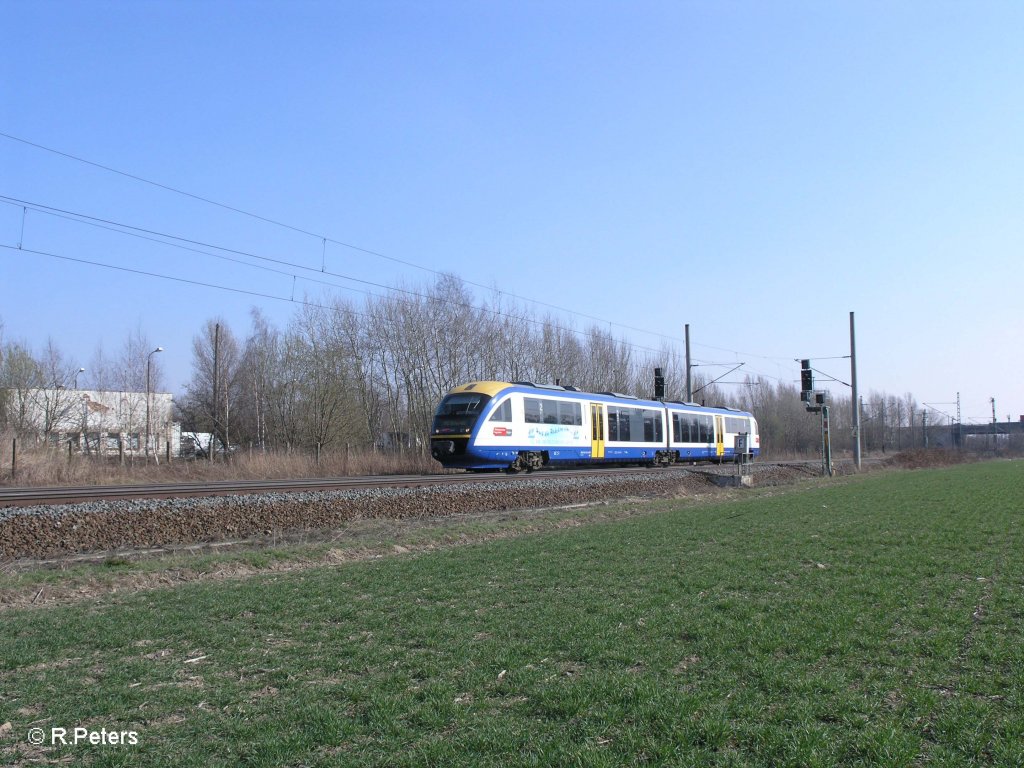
318	454
14	457
69	451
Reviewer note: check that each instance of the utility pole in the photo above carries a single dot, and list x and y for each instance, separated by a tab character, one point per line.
826	443
216	383
881	413
959	425
995	440
689	384
149	361
856	401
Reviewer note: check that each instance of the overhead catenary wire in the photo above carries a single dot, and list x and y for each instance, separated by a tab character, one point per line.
292	299
144	234
325	239
143	272
183	243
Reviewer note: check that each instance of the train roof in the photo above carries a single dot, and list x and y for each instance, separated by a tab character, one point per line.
493	388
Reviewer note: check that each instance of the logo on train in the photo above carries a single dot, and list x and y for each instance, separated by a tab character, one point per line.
502	432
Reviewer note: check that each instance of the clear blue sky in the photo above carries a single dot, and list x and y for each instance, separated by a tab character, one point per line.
757	170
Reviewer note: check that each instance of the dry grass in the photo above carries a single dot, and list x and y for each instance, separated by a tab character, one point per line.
49	466
922	458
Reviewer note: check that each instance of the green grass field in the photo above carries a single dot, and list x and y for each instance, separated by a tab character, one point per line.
874	621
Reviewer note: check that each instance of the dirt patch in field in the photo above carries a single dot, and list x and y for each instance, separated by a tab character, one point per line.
924	458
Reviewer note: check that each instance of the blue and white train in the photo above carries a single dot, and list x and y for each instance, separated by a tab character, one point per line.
498	425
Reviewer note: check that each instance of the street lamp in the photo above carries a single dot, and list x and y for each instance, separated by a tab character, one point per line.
85	412
149	360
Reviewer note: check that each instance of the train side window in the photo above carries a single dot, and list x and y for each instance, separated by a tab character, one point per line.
570	413
549	411
652	426
503	412
633	421
684	428
680	428
531	410
613	423
627	419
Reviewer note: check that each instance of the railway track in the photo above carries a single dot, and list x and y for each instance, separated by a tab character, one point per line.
24	497
49	523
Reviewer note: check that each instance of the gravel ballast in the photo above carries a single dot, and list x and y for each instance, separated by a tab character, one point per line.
55	531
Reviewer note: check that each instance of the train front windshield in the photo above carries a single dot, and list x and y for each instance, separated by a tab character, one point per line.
457	414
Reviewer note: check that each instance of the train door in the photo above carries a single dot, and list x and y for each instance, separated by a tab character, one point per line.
596	431
719	436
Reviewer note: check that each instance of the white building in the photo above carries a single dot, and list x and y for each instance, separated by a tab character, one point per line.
97	421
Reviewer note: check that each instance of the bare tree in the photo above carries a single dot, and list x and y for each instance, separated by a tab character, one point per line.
21	377
130	368
324	370
214	388
101	371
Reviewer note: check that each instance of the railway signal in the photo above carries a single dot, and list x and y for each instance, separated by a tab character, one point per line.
817	403
806	379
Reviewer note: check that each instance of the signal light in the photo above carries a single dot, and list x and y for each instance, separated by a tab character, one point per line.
659	384
806	379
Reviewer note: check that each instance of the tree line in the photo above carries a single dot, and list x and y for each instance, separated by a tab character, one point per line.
341	373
